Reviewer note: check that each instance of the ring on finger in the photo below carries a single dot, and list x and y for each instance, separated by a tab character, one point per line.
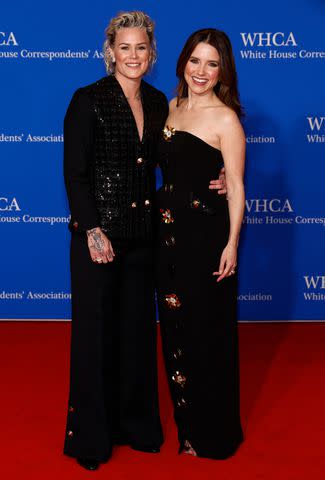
98	260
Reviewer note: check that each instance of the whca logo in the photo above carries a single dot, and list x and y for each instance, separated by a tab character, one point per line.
265	205
315	282
316	130
268	39
9	205
316	123
8	40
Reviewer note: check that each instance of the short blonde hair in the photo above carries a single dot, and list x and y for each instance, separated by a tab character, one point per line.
135	19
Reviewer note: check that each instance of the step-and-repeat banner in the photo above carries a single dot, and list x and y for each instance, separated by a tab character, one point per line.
49	50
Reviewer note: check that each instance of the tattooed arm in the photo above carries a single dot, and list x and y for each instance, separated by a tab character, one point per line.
100	247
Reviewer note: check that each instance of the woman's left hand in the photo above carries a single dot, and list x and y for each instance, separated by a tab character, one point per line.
228	262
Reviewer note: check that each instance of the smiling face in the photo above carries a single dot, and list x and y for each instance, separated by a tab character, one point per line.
131	53
202	69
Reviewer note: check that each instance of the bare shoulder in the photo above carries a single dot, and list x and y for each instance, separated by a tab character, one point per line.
173	104
225	116
228	121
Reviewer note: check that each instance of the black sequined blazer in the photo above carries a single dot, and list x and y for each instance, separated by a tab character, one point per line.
109	173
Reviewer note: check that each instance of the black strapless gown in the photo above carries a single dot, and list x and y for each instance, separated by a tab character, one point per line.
197	314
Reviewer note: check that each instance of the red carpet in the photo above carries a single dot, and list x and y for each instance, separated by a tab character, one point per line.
283	403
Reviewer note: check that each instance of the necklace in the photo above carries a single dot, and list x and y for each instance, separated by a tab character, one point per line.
137	97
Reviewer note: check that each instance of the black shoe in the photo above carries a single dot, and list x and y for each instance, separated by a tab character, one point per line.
88	463
145	448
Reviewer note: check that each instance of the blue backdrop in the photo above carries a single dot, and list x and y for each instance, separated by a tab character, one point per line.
49	50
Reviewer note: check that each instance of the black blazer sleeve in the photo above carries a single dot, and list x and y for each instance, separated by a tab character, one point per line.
164	110
79	125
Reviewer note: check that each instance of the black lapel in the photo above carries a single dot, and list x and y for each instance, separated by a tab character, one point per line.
147	109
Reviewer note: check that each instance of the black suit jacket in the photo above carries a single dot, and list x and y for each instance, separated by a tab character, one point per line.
109	172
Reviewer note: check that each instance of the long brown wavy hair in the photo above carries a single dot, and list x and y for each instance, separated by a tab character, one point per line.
226	89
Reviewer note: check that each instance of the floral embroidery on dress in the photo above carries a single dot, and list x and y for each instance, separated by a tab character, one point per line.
181	402
177	354
170	241
166	215
179	378
172	300
200	206
168	132
196	203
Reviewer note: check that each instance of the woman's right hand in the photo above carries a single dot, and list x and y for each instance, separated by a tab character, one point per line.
100	247
220	184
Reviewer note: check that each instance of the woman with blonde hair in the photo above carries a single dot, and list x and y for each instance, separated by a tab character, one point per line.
111	130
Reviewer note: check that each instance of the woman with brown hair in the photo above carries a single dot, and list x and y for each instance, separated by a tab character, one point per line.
198	234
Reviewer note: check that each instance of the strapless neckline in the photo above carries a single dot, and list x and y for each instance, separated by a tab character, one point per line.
185	132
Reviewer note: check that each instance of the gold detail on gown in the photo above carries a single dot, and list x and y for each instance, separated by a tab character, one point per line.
172	301
179	378
169	187
196	203
177	354
181	402
166	216
168	132
170	241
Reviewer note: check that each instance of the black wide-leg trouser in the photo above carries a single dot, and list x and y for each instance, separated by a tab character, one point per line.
113	374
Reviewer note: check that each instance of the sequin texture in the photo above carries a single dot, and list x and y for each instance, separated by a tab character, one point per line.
116	181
